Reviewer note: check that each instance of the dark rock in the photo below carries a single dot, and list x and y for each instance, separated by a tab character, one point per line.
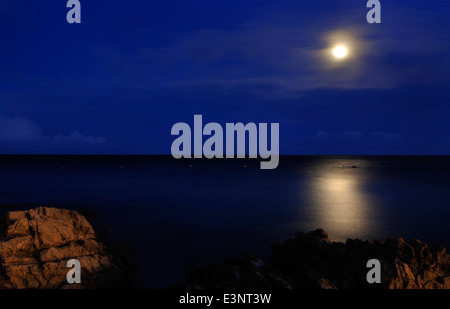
312	261
319	234
245	272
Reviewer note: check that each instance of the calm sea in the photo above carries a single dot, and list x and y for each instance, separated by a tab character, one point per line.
175	214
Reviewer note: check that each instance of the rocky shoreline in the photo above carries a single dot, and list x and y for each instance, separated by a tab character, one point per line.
36	244
313	261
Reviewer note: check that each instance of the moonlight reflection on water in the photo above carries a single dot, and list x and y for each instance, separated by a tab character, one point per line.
341	207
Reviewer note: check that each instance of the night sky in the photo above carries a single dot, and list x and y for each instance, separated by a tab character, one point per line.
117	82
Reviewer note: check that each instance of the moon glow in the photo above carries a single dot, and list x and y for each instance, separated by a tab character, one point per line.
340	52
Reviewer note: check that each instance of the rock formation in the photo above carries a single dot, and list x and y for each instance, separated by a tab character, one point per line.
35	246
313	261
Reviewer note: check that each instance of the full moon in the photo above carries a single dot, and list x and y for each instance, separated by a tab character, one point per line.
340	52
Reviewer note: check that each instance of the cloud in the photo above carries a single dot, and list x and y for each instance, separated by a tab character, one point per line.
25	131
321	134
76	137
19	129
347	136
288	58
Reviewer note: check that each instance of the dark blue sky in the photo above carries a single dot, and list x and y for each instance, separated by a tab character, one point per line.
117	82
